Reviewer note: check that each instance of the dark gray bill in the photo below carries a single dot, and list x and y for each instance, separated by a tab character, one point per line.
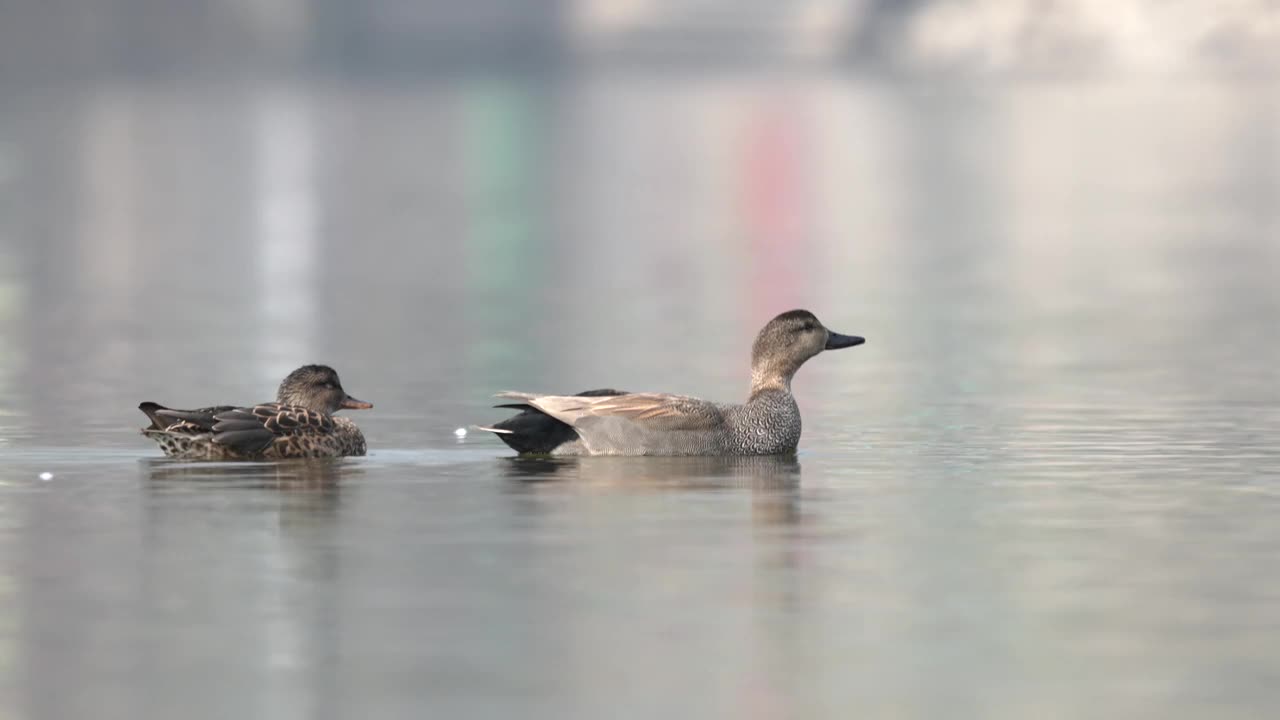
835	341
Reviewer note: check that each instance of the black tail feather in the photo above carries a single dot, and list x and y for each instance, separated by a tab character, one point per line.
149	409
201	418
535	432
162	418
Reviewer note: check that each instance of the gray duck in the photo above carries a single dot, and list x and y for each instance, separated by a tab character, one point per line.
612	422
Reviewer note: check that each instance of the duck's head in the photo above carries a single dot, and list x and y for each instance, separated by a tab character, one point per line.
317	387
786	342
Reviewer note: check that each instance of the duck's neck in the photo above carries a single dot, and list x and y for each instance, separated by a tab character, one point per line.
768	379
303	401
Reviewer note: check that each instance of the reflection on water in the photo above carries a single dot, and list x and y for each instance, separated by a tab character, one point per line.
774	482
1043	487
694	472
314	486
317	474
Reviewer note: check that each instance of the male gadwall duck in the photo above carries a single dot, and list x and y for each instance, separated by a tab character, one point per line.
609	422
299	424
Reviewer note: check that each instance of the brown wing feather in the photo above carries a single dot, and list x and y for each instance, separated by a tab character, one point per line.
254	428
668	412
184	427
296	420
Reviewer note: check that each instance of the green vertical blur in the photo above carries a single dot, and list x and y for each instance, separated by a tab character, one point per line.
503	249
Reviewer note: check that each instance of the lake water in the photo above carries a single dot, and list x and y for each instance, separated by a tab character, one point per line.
1048	485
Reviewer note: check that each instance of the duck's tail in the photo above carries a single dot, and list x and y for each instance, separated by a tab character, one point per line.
532	431
168	420
494	430
158	424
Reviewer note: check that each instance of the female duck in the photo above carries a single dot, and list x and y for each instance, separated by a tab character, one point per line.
299	424
609	422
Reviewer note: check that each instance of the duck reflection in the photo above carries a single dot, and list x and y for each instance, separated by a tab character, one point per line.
699	472
322	476
308	490
775	478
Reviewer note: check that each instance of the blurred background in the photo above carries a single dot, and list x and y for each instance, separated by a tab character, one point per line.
118	39
1046	486
417	190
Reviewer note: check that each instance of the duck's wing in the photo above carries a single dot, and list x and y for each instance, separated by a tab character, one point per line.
183	422
526	406
252	429
656	411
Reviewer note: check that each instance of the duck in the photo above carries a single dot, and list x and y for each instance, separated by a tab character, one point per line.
614	422
299	424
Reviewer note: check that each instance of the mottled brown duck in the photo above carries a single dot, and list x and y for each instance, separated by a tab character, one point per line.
299	424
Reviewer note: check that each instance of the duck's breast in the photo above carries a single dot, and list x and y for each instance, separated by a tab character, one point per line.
768	424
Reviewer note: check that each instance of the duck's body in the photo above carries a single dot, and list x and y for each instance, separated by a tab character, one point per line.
660	424
300	424
606	422
268	431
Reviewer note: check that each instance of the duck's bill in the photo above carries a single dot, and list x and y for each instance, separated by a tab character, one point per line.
351	403
835	341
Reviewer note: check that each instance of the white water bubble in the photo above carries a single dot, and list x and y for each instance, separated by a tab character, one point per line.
46	476
460	433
